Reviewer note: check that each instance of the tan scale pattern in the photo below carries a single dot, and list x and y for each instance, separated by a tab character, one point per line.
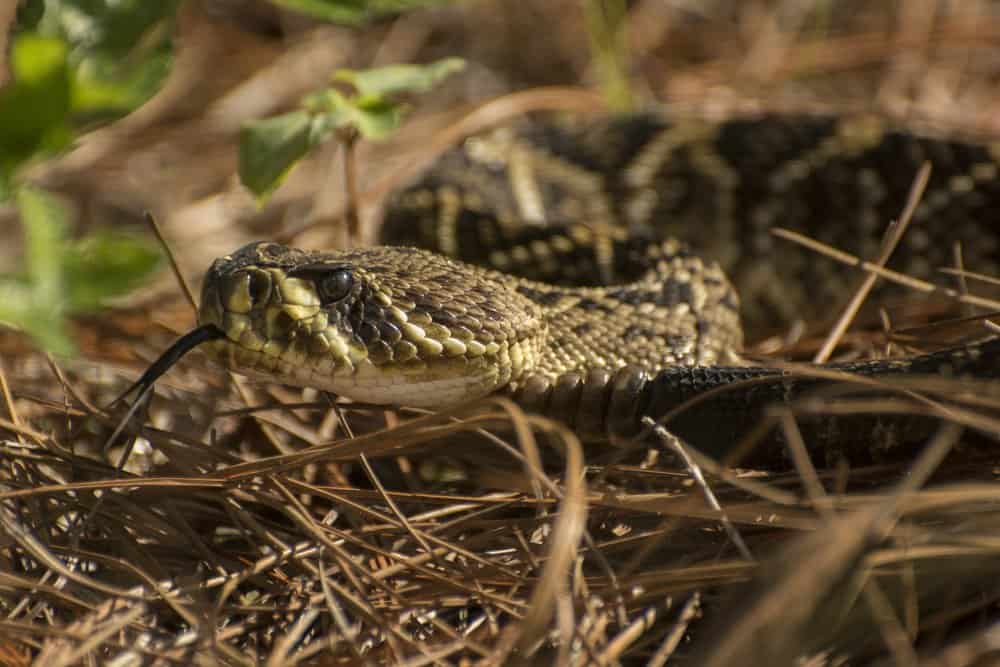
721	187
423	330
420	329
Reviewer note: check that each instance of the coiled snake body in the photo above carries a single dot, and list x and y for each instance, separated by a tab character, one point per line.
557	210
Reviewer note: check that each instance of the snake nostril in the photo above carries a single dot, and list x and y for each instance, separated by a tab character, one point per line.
259	286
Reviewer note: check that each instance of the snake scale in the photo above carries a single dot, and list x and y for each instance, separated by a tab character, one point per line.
578	291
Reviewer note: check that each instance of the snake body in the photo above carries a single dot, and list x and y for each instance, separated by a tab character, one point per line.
602	323
399	325
720	188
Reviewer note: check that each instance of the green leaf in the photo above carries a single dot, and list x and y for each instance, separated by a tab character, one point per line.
20	307
36	303
81	60
105	265
119	51
375	118
352	12
327	100
61	277
34	108
394	79
108	27
101	86
269	148
44	222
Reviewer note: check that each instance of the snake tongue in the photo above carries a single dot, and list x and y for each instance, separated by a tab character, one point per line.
173	354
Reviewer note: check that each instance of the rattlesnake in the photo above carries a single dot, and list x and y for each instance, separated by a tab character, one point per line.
557	210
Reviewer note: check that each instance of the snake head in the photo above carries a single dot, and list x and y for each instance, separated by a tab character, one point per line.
383	325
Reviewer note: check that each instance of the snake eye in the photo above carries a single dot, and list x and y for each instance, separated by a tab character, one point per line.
335	285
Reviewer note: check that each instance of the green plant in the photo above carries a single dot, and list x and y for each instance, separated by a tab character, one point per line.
73	63
62	277
353	12
606	32
372	108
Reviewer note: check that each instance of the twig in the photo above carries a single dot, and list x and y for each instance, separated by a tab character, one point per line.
803	464
9	402
969	275
175	267
489	114
969	650
893	634
678	447
888	274
349	140
614	648
896	231
676	634
553	579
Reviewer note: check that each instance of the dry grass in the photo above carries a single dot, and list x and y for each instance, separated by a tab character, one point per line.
236	523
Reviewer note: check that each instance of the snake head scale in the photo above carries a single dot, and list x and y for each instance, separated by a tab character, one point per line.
384	325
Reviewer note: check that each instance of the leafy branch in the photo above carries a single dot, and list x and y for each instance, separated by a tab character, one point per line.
371	107
68	70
